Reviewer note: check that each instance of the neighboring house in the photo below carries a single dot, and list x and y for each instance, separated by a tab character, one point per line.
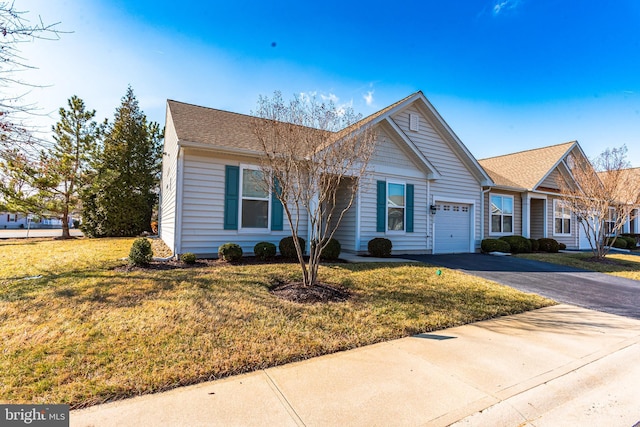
423	190
526	197
632	225
12	220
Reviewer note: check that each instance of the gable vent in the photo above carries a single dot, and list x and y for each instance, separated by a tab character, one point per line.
414	122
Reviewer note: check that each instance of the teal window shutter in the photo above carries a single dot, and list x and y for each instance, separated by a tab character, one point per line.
381	206
231	197
276	207
409	207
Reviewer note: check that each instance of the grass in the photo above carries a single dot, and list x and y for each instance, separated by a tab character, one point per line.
86	333
616	264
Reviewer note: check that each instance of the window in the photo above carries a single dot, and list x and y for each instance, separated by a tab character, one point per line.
561	218
254	211
395	207
610	222
501	215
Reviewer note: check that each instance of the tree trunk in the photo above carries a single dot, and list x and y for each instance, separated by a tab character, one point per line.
65	225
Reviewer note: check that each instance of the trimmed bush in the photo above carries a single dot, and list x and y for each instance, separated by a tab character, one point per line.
264	251
518	244
288	248
141	252
332	250
188	258
548	245
619	243
230	252
562	246
380	247
631	241
494	245
535	246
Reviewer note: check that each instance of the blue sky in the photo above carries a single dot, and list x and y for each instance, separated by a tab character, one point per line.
507	75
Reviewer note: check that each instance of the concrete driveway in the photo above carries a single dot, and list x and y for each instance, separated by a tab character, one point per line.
595	291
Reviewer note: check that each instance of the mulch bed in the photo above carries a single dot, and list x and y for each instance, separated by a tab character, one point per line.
290	291
318	293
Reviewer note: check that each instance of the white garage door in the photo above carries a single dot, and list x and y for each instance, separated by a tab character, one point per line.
453	228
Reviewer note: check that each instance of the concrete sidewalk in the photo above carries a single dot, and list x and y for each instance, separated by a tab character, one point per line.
553	366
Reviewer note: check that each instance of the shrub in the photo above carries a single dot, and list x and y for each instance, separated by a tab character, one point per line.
264	251
380	247
288	248
631	241
188	258
494	245
535	246
548	245
562	246
332	250
517	244
141	252
619	243
76	223
230	252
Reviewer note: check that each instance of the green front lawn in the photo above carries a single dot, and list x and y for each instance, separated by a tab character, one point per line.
616	264
86	332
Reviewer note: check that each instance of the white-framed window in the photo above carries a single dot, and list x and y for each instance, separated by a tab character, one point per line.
396	206
610	222
501	214
561	218
255	200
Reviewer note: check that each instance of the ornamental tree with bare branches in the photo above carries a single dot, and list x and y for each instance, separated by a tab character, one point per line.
604	197
315	157
16	29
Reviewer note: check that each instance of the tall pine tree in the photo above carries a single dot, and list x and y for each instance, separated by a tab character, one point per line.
124	192
51	184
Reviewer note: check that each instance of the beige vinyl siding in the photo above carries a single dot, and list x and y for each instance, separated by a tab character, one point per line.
403	242
456	182
537	208
167	219
346	232
551	181
203	208
517	212
571	240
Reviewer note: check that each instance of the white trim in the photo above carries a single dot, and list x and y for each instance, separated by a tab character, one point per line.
404	208
357	233
513	208
241	199
177	232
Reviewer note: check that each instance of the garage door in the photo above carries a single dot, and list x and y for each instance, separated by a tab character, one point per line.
453	228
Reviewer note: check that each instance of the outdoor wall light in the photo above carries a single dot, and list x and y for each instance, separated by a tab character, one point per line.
432	209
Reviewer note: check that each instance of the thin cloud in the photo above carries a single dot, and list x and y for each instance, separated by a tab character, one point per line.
368	98
504	5
332	97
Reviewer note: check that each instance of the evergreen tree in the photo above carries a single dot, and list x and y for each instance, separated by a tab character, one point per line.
124	192
51	184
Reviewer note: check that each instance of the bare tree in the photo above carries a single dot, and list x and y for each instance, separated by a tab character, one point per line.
315	157
16	29
604	197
